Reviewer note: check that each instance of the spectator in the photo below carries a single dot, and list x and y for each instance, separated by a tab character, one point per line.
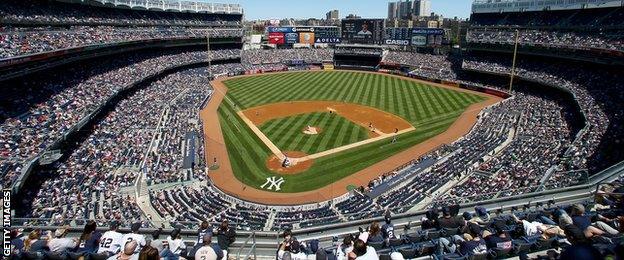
61	244
129	251
204	229
156	242
208	251
135	237
362	252
111	241
149	253
374	233
89	239
449	222
175	246
225	237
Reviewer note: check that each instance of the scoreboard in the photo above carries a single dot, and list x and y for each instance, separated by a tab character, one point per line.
366	31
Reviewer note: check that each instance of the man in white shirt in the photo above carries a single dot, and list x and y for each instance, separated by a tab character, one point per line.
135	236
60	244
111	240
175	243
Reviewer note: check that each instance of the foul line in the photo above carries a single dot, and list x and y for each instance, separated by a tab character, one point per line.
279	154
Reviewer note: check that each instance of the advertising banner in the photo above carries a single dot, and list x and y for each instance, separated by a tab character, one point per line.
419	40
306	38
397	42
280	29
291	38
276	38
327	34
427	31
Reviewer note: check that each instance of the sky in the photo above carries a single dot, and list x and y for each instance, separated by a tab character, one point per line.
300	9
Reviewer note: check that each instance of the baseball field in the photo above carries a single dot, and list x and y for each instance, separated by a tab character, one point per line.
330	125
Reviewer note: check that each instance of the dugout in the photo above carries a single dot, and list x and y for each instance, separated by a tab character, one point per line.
360	57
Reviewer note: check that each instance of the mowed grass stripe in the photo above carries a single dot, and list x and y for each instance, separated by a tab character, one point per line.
288	133
430	109
332	127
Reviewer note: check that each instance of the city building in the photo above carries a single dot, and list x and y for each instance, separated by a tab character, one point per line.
332	15
408	9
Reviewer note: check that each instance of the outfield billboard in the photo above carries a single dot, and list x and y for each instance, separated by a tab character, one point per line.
276	38
367	31
304	35
327	34
306	38
291	38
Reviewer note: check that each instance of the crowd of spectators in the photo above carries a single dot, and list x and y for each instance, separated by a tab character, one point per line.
213	243
143	134
38	111
177	130
541	136
54	12
546	38
591	228
285	56
597	100
424	65
17	41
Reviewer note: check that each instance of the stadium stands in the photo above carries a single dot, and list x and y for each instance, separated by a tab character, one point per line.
561	126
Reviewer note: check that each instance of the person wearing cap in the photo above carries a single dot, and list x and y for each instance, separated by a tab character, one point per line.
225	237
483	217
111	240
208	251
296	252
388	228
449	222
204	228
60	244
499	240
175	245
135	236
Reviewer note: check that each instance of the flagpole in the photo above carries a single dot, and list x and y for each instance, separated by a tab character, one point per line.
513	65
209	56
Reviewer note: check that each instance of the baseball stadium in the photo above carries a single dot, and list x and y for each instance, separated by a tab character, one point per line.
178	129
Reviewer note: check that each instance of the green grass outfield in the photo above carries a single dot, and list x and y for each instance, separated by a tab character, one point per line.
287	133
430	109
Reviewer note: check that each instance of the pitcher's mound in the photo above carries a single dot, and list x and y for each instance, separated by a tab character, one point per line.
275	164
311	130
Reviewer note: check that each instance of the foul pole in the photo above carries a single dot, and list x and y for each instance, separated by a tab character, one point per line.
513	64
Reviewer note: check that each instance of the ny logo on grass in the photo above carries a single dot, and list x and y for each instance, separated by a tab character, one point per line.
273	182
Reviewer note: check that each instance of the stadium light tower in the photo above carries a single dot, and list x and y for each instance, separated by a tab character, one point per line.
209	56
513	64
